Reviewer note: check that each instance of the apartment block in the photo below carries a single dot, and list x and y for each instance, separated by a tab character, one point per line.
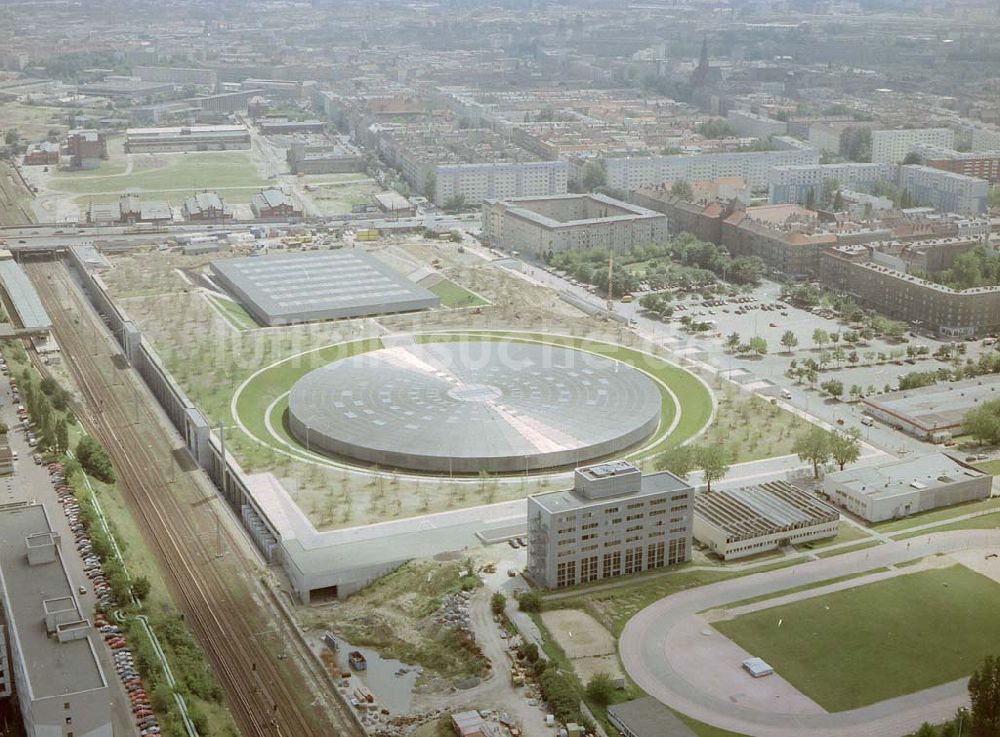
759	126
613	522
892	146
945	190
478	182
790	184
629	173
978	164
570	222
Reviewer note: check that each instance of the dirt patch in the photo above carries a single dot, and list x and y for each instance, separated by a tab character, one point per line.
589	646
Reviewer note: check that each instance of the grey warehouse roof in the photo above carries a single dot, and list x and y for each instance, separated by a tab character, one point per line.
764	509
299	287
932	471
55	668
939	406
23	297
647	717
466	407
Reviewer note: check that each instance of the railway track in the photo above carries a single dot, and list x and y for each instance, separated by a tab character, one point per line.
222	603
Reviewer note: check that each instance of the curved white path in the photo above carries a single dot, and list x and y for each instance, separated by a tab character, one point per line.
643	648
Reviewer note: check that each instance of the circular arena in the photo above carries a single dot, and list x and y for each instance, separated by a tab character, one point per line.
470	406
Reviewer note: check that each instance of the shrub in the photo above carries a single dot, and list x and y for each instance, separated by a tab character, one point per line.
601	689
497	603
95	460
530	601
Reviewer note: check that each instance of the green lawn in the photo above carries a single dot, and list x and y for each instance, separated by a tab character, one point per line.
803	587
989	521
860	646
938	515
990	467
159	172
455	295
234	313
614	607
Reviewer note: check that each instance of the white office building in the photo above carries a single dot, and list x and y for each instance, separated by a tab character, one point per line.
613	522
892	146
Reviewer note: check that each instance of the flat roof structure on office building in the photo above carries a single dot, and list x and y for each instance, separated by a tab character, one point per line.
735	523
466	407
23	297
326	285
56	671
933	412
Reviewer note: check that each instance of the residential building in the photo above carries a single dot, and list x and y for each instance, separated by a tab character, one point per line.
273	204
630	173
187	138
900	488
542	225
737	523
474	183
944	190
85	148
978	164
892	146
206	207
985	139
702	221
791	184
177	75
784	237
935	412
613	522
60	685
283	126
758	126
950	313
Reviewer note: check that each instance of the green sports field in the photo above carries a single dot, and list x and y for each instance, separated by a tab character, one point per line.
863	645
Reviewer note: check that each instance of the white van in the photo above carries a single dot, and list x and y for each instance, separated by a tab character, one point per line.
785	394
867	421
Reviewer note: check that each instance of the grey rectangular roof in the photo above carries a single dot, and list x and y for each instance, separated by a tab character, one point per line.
56	668
23	297
933	471
939	406
570	500
319	285
647	717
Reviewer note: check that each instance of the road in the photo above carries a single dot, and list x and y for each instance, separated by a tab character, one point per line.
222	598
644	641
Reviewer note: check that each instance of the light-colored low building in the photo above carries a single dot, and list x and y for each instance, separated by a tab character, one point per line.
60	685
614	521
736	523
541	225
904	487
933	412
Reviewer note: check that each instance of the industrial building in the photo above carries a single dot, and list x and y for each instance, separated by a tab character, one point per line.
737	523
61	688
302	287
900	488
935	412
394	204
324	158
206	207
86	148
532	406
187	138
22	299
273	204
613	522
129	210
543	225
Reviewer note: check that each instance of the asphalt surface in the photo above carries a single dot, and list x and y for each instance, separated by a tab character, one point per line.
644	640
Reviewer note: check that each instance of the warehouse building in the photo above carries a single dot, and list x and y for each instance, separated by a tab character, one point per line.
206	207
542	225
186	138
273	204
326	285
324	158
646	717
904	487
21	296
737	523
613	522
935	412
61	688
